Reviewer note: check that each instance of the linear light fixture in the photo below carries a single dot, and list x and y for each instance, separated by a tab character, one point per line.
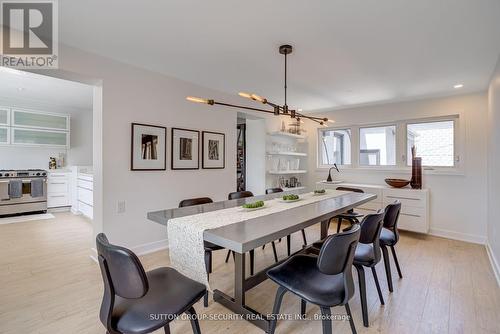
277	110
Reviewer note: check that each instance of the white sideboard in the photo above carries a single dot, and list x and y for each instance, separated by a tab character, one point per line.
414	203
58	189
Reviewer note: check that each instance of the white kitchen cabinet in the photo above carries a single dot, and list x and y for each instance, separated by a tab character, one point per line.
58	189
39	120
85	194
414	214
4	135
4	116
21	136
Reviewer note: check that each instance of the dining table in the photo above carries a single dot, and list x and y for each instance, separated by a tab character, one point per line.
251	231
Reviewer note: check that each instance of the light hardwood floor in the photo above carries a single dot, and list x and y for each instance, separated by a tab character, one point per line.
48	284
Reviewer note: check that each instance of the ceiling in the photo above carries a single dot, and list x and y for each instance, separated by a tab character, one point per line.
346	52
25	87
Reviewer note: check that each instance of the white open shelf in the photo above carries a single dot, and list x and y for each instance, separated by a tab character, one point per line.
285	172
286	134
295	154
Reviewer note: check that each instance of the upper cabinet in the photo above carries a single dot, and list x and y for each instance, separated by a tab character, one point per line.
4	116
33	128
22	118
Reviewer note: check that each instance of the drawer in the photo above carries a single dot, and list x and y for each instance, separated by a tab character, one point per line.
57	186
413	223
406	197
86	210
57	200
57	175
411	210
86	177
85	184
86	196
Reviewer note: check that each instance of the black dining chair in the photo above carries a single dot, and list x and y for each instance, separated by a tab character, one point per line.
324	280
351	216
389	237
245	194
288	237
367	255
209	247
140	302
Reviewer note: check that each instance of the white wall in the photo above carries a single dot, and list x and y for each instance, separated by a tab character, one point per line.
458	202
494	167
130	94
80	152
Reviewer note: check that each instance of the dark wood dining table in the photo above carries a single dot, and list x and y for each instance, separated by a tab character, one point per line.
250	234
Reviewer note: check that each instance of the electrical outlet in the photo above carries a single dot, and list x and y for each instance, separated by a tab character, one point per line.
121	207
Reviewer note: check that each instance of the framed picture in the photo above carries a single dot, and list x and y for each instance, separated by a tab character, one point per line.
149	147
213	150
185	149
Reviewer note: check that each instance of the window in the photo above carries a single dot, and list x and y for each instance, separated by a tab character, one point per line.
377	146
434	142
335	147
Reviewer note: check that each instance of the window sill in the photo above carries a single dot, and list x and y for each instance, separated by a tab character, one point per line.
395	170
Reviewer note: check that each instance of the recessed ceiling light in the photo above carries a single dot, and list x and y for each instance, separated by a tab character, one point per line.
21	89
457	86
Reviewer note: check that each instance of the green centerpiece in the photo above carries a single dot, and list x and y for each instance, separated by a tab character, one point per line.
253	205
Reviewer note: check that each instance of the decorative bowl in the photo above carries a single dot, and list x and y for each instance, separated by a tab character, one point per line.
397	183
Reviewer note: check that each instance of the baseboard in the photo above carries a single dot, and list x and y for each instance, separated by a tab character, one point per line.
150	247
494	263
59	209
473	238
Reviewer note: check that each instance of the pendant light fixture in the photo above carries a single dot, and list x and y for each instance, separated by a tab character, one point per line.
277	110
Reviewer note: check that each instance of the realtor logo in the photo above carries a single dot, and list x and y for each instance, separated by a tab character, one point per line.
29	34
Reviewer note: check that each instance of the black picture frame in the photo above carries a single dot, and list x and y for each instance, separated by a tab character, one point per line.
133	148
173	151
203	135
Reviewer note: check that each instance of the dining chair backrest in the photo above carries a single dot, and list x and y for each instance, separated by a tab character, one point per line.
356	190
123	275
195	201
273	190
371	226
337	252
391	218
239	194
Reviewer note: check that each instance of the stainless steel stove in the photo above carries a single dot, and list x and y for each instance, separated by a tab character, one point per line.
23	191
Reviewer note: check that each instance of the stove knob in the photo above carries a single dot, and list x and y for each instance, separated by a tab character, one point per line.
37	174
7	174
43	174
0	174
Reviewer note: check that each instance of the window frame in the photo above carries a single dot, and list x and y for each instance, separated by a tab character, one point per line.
320	163
401	166
380	125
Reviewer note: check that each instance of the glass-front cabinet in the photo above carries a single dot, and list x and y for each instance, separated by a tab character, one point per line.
23	118
39	137
33	128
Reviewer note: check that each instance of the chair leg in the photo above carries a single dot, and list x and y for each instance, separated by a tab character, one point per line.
338	224
166	328
288	245
375	277
304	237
208	261
252	261
303	305
326	313
263	246
274	251
194	320
276	309
351	320
387	265
362	294
228	255
396	261
205	299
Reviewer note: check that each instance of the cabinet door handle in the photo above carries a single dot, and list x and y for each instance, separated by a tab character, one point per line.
54	196
57	183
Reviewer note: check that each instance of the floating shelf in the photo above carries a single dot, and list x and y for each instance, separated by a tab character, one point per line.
283	172
286	134
295	154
